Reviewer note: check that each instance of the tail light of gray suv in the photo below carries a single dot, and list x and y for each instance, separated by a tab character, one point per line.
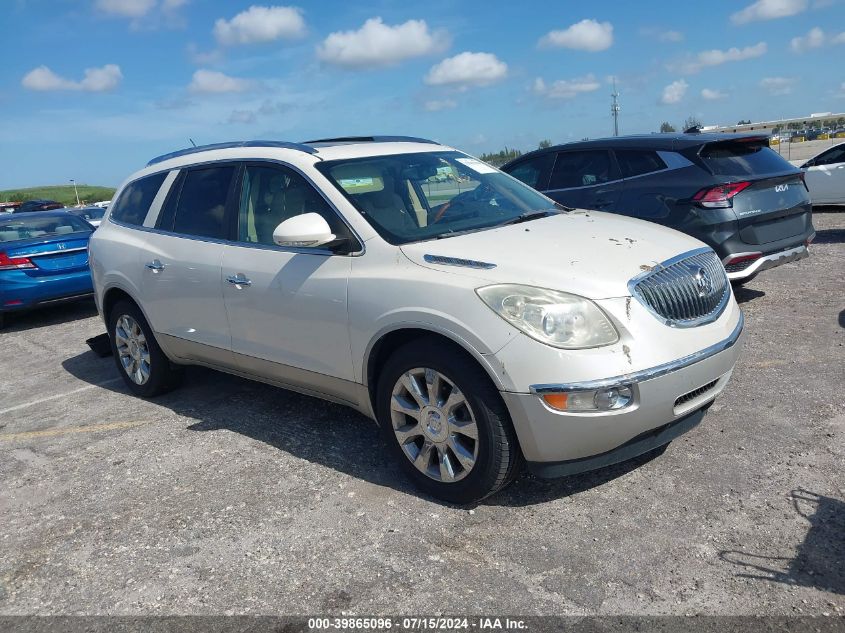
730	191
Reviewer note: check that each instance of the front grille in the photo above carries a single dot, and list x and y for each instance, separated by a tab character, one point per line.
695	393
686	291
739	266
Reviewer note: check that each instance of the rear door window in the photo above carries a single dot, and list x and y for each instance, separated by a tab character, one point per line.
202	203
638	162
581	169
136	198
742	158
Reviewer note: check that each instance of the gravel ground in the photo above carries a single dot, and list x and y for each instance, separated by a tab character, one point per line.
234	497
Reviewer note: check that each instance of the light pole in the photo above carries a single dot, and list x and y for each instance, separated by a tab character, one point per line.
76	192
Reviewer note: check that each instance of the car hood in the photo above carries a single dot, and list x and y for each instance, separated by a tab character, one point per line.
587	253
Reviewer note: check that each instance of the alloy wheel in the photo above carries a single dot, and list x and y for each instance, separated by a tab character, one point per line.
434	425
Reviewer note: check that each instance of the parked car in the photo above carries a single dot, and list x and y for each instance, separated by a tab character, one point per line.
825	176
480	326
38	205
93	214
731	191
43	260
103	203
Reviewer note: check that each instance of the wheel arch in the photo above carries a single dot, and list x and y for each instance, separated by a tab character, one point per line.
388	341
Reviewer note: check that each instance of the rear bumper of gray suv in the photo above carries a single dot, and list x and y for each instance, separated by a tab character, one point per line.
765	262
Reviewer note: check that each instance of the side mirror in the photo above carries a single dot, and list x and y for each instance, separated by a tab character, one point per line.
809	163
306	230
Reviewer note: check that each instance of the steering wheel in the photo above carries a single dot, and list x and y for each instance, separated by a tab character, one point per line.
461	200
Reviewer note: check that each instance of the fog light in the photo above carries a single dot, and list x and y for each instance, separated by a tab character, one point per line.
607	399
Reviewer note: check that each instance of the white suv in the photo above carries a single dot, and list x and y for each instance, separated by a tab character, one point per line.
480	323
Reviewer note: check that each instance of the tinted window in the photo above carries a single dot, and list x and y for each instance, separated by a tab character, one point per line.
636	162
831	156
534	172
733	158
581	169
135	201
271	195
201	209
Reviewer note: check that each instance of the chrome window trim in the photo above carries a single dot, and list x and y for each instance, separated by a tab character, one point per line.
59	252
647	374
707	318
244	162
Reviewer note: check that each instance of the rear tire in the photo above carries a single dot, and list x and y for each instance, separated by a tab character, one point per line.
144	368
445	422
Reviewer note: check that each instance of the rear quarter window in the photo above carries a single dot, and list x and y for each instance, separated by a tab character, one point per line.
742	159
135	200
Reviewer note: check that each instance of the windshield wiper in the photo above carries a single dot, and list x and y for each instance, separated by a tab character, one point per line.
530	215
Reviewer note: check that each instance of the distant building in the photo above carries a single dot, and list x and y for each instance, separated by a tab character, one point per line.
816	120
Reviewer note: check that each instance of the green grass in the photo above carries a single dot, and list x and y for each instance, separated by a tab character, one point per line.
59	193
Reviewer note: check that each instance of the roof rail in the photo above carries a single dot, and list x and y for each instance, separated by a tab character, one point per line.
341	140
204	148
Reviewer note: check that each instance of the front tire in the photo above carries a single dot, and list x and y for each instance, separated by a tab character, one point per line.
144	368
445	422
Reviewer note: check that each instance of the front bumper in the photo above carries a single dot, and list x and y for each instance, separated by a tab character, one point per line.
671	395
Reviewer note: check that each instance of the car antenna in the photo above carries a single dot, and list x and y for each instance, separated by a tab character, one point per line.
192	141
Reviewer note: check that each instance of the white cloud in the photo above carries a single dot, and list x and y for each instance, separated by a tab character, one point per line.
126	8
467	69
838	39
377	44
260	24
671	36
213	82
813	39
586	35
436	105
95	79
769	10
777	86
716	57
565	88
674	92
202	58
709	94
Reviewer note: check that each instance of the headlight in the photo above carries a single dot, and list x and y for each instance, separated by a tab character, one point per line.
549	316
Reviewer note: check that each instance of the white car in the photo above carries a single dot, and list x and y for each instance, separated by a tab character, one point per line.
825	176
479	323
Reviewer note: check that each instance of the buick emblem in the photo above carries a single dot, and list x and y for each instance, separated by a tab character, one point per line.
703	282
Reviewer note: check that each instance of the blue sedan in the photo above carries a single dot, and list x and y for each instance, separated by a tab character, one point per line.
43	259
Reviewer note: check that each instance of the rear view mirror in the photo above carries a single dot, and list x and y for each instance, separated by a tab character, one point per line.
306	230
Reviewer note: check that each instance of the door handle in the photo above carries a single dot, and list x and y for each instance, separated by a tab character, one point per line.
155	266
238	280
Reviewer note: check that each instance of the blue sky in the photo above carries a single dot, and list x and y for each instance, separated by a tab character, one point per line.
91	89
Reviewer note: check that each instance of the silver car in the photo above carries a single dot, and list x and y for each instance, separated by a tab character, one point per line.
481	324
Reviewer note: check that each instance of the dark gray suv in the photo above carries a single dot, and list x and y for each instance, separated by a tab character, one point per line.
731	191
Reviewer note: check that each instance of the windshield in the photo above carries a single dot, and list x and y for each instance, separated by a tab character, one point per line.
24	228
414	197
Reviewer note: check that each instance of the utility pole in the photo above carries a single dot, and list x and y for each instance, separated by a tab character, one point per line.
76	192
614	109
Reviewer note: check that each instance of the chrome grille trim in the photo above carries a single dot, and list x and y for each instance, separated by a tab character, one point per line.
674	293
